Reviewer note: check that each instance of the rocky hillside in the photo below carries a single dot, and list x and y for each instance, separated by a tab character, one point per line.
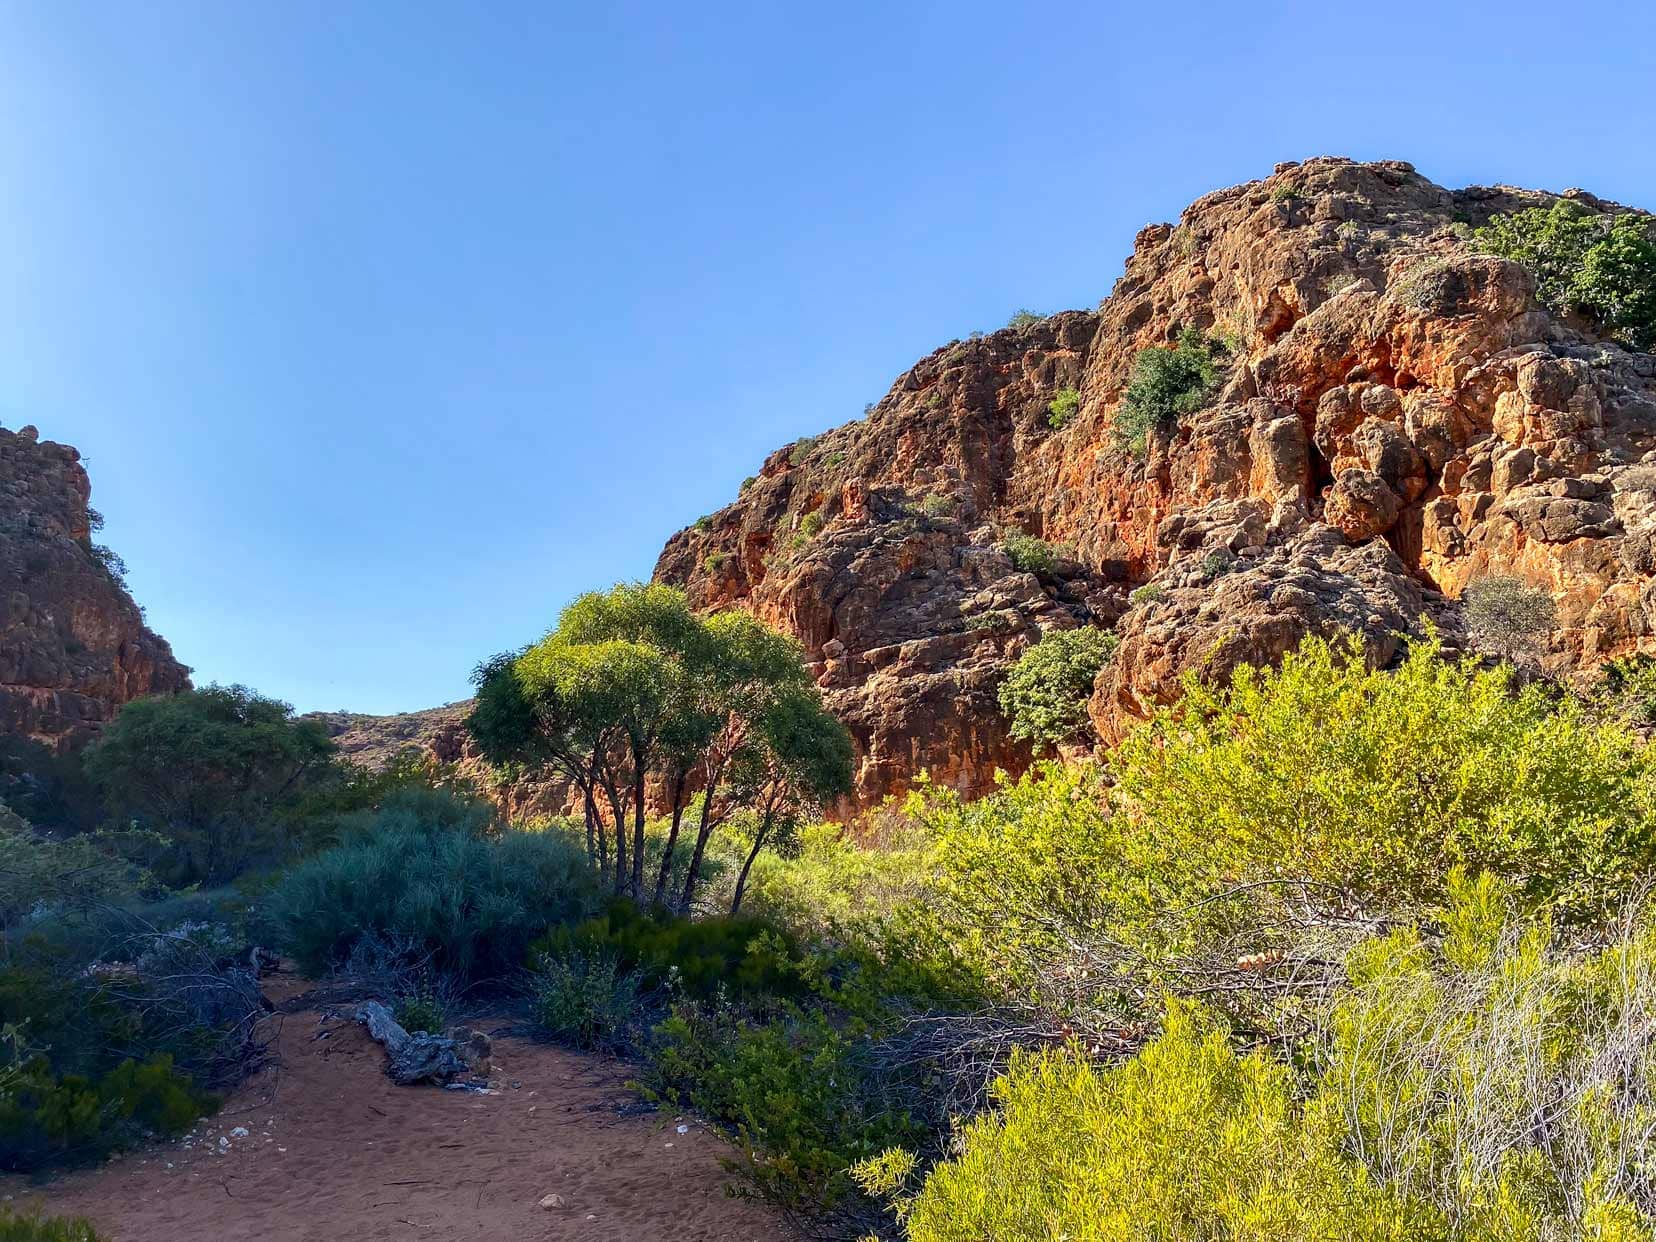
73	645
1399	417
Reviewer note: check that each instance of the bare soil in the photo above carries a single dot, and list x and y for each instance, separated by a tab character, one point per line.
323	1146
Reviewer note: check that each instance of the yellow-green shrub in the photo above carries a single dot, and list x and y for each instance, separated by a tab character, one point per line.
1379	782
1188	1140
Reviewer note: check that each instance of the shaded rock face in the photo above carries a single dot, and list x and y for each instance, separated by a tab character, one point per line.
73	645
1401	418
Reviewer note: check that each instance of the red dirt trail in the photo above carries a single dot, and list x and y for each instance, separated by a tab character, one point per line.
334	1150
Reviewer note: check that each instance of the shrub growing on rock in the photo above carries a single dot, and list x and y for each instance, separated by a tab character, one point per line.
1602	266
1061	409
1506	615
37	1228
1166	384
1045	693
1030	554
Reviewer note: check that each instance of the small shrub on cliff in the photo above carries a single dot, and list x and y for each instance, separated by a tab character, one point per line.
1024	319
1030	554
1600	266
1506	615
1045	694
937	505
1062	408
1165	385
715	562
801	450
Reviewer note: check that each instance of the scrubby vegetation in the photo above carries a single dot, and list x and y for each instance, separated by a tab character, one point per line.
1166	384
1045	694
1031	554
1508	617
1327	951
1061	409
15	1228
1598	265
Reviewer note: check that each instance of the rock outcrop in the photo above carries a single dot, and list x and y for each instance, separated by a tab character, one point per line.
1400	419
73	645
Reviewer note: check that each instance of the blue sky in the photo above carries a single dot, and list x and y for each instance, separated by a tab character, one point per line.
386	329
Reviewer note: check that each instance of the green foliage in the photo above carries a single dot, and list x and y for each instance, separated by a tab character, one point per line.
1377	783
1506	615
37	1228
704	522
810	526
425	871
1599	266
743	956
1285	193
937	505
1062	408
109	560
836	459
747	483
46	1119
1024	319
210	770
789	1091
715	562
1149	593
1030	554
584	998
1218	563
1165	385
801	450
1045	694
1187	1140
1627	686
421	1010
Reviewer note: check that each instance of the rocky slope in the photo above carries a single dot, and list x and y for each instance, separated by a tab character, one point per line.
1401	418
73	645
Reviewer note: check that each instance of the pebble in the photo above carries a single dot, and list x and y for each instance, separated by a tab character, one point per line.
553	1201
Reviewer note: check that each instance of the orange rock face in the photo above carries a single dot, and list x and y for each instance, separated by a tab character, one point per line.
1400	419
73	645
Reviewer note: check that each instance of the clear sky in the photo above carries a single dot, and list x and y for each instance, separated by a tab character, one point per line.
387	328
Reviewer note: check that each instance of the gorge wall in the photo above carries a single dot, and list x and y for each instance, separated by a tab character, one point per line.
73	644
1401	419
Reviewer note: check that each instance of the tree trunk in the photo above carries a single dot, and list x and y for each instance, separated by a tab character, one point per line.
618	812
590	811
758	844
680	779
703	831
638	826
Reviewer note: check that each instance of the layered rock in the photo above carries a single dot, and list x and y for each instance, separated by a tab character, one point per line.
1400	419
73	644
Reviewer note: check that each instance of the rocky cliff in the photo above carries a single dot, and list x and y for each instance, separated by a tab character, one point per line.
1399	418
73	645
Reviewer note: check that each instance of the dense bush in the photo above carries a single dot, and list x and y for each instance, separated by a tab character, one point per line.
1377	783
790	1090
50	1119
37	1228
1045	693
428	871
1166	384
1478	1084
1600	266
1188	1140
741	955
211	771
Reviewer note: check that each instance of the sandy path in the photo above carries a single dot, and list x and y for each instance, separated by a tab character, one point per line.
333	1150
